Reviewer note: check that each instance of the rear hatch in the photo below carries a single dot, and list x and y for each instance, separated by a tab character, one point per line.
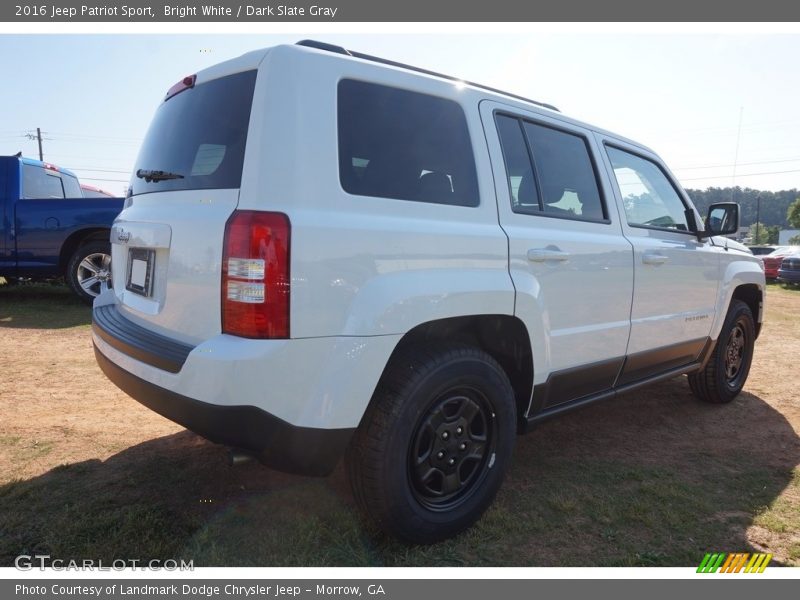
167	243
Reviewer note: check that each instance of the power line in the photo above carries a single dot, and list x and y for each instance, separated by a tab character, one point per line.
123	171
103	179
723	129
762	162
740	175
101	158
96	137
97	140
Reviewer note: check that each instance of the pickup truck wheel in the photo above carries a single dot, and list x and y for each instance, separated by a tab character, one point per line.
88	269
726	372
432	448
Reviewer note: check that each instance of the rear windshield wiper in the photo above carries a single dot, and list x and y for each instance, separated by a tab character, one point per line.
150	176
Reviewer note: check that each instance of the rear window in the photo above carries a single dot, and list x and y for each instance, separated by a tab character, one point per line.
404	145
38	182
199	134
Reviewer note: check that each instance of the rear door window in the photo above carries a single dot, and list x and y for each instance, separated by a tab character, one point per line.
524	194
199	135
404	145
550	171
38	182
567	179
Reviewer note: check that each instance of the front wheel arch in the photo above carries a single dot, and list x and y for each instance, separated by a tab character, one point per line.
725	373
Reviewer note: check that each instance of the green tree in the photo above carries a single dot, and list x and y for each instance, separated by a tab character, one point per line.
759	234
773	234
793	214
771	210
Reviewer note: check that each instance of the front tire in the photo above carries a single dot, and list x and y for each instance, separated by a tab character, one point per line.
726	372
87	270
433	446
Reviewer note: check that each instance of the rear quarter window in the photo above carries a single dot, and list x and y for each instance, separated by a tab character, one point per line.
72	189
404	145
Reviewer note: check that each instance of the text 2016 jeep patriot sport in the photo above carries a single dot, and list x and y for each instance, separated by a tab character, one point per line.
325	254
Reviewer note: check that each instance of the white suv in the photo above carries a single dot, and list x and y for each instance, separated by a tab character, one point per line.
324	253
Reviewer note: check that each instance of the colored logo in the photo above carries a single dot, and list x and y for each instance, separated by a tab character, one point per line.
734	563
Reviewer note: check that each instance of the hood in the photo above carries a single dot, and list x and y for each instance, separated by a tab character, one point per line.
731	244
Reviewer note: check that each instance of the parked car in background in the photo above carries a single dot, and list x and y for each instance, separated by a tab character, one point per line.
90	191
762	250
789	271
772	261
48	229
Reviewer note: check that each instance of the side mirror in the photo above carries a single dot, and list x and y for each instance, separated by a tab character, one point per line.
723	219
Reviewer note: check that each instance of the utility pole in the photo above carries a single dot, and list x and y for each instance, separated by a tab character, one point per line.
736	155
758	216
38	138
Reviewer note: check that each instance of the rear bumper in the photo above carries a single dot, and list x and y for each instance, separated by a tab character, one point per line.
276	443
789	276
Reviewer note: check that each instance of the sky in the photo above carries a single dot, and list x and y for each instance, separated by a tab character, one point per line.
720	108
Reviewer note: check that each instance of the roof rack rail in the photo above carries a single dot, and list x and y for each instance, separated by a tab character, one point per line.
340	50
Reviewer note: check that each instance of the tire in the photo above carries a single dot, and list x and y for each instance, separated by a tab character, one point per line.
434	444
88	268
726	372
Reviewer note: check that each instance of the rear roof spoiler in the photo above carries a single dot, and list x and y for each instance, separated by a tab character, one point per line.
376	59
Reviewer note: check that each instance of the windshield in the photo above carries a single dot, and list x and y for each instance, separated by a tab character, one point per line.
198	138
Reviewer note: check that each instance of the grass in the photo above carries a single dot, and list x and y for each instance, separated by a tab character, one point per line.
650	479
551	512
41	306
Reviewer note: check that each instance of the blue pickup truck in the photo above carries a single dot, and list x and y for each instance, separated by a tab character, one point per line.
48	229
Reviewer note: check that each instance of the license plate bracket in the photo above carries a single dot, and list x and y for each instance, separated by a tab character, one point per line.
141	264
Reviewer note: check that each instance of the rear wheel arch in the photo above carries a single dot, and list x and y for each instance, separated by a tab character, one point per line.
79	238
505	338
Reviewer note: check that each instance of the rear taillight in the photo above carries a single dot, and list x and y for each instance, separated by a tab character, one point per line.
255	275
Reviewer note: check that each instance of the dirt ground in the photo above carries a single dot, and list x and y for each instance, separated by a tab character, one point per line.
653	477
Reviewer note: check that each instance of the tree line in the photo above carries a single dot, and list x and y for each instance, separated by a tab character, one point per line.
772	213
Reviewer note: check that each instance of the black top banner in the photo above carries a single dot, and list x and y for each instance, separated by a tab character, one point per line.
406	11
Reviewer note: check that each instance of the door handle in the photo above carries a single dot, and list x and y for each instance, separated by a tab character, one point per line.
547	255
653	258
